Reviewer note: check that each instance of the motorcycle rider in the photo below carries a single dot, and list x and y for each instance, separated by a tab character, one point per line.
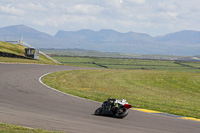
110	104
114	107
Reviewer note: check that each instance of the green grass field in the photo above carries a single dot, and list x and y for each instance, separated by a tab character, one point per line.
166	91
10	128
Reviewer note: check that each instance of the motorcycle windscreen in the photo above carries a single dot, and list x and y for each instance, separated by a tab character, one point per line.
128	106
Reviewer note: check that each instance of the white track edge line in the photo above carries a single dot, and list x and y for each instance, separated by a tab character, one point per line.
40	80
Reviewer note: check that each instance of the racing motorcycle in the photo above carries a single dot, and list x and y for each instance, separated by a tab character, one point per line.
114	107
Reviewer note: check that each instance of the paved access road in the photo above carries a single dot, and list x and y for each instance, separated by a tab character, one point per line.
25	101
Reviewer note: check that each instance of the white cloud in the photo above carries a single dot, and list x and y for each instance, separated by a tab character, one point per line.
32	7
167	5
151	16
137	1
167	17
85	9
10	10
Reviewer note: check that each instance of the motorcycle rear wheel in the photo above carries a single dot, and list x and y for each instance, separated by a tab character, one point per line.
98	111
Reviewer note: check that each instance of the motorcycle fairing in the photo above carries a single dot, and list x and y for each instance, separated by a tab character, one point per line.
128	106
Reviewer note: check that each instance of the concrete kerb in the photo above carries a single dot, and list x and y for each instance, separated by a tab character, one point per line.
166	114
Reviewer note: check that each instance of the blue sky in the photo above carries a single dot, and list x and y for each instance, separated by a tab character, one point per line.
155	17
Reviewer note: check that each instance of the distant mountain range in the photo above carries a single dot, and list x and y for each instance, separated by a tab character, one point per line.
185	42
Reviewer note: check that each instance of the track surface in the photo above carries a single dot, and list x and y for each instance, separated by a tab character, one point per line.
26	102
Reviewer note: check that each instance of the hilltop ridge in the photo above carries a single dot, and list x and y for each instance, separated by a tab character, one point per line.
184	43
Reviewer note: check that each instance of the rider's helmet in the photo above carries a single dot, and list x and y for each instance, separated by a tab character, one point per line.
112	100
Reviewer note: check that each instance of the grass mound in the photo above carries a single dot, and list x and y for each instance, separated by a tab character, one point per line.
166	91
19	50
12	48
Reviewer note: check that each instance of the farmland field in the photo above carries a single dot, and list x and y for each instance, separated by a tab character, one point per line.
117	63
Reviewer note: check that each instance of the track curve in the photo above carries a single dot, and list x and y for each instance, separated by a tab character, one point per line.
25	101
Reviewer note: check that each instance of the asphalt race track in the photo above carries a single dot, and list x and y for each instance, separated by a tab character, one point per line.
25	101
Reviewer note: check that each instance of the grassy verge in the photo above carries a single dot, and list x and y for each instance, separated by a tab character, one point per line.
166	91
10	128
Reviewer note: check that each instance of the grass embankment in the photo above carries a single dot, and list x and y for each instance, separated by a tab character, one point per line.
9	128
19	50
166	91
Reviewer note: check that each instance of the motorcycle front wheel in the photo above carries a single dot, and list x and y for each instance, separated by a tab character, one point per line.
122	114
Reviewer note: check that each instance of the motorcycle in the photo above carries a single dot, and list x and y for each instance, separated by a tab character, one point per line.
114	107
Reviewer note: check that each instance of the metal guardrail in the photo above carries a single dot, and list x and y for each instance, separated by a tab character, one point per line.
49	57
